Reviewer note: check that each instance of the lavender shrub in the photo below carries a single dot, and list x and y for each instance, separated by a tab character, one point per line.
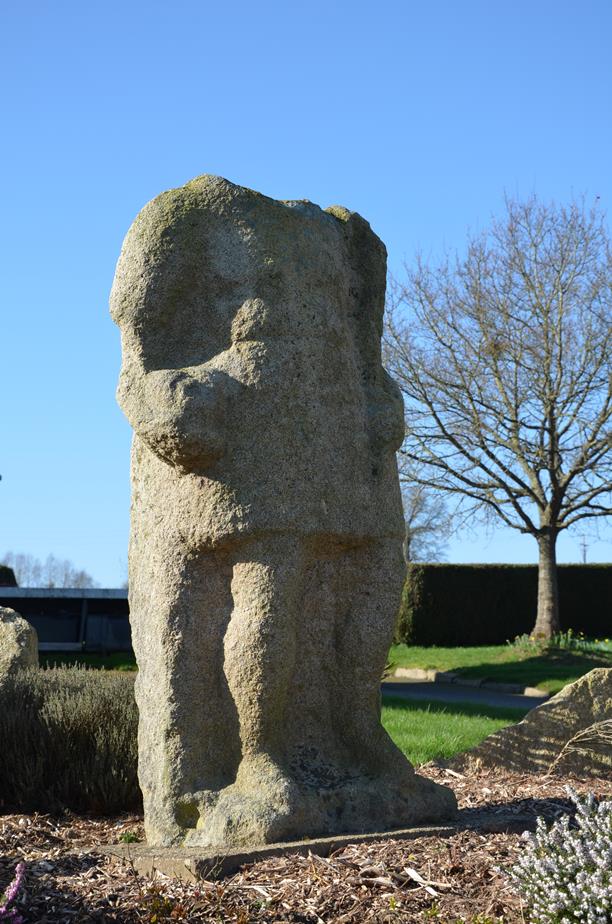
565	871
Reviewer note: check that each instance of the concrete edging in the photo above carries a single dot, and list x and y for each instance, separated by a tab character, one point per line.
434	676
193	863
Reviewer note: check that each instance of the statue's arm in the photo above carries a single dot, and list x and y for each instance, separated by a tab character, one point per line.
179	413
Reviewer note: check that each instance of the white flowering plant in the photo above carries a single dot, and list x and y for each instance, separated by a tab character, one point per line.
565	871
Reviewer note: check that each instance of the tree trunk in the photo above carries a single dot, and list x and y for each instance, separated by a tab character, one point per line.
547	620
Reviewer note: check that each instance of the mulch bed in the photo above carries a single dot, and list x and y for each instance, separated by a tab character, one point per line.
429	879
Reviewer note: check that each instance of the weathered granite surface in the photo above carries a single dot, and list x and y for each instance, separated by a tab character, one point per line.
564	733
266	544
18	643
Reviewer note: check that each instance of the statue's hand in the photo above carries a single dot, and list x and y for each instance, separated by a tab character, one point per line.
180	414
386	415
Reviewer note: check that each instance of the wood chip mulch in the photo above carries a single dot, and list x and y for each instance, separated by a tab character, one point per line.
430	879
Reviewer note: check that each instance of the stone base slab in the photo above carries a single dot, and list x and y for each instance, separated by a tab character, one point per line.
195	863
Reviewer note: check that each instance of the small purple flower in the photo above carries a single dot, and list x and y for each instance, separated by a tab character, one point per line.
11	915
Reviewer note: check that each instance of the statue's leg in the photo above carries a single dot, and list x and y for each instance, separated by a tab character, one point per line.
375	573
260	643
180	605
372	575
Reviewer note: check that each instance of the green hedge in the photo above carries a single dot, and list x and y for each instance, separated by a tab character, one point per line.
7	577
68	741
453	605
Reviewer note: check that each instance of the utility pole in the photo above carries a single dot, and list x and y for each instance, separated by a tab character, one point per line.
584	546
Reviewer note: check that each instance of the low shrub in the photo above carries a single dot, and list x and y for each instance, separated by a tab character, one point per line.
68	741
561	641
565	871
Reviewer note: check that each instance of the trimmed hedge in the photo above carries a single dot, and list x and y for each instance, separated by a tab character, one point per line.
456	605
7	577
68	741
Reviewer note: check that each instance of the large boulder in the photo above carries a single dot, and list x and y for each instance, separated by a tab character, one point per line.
566	734
18	643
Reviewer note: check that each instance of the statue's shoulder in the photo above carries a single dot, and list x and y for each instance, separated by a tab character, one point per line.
167	249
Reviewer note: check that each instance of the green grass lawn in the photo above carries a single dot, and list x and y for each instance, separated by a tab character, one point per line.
550	671
119	661
425	731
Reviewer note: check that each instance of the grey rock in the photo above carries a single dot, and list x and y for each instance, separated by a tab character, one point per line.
566	733
18	643
266	545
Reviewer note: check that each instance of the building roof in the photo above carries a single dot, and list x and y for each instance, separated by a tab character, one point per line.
79	593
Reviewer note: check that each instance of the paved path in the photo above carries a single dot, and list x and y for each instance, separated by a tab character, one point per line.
453	693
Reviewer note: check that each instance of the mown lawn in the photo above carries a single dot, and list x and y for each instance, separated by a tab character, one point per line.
425	731
119	661
550	671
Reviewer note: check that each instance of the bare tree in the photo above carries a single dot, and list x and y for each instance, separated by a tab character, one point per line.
53	572
504	358
427	522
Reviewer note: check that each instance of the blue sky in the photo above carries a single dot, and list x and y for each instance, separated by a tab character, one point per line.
418	115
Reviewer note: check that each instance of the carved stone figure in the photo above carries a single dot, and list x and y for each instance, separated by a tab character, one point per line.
265	554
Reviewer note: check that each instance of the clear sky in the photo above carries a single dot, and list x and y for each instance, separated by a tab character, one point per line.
419	115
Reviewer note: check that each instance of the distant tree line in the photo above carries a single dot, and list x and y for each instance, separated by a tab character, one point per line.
52	572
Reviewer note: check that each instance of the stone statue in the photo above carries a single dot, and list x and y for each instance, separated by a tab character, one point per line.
266	544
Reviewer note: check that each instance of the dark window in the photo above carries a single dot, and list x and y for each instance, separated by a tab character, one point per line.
55	619
108	627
